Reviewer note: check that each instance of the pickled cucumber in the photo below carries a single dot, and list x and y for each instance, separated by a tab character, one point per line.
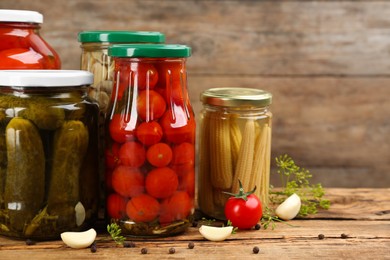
25	180
70	146
3	165
44	114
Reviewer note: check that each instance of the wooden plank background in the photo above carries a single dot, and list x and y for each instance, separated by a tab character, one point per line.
327	63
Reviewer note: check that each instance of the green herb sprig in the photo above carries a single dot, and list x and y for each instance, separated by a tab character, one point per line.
115	232
297	180
294	179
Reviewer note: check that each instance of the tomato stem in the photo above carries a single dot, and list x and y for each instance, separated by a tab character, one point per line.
241	193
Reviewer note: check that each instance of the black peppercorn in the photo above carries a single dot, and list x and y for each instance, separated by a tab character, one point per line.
321	236
344	236
30	242
128	244
172	250
258	226
256	250
93	247
191	245
144	251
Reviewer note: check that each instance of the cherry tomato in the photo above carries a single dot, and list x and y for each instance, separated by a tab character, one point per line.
121	80
144	75
161	182
121	129
150	105
187	182
170	82
149	133
243	209
143	208
178	126
177	207
128	181
132	154
183	158
159	155
112	156
116	206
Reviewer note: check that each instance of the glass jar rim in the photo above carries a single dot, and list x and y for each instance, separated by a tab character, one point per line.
236	97
45	78
26	16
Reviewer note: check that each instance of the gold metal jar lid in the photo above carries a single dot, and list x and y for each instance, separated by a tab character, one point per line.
236	97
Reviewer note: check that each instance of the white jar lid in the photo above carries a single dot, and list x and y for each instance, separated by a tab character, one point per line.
7	15
45	78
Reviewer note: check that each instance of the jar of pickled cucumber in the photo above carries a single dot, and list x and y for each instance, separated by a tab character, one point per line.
94	58
48	153
234	144
21	45
150	146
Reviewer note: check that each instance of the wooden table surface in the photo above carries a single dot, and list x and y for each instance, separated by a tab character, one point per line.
361	214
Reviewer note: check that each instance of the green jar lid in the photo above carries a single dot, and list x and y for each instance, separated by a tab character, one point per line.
121	37
236	97
149	51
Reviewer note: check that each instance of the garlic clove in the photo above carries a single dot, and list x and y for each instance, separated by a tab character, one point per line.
79	213
215	233
79	239
289	209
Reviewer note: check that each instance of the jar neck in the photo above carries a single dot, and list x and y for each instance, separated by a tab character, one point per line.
20	25
245	111
43	91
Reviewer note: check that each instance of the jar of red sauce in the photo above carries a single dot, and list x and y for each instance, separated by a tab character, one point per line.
21	46
150	148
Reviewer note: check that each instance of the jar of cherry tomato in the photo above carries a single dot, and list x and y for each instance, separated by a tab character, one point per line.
150	149
94	58
21	46
235	145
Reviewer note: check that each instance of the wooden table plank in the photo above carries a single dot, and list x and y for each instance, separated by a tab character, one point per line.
285	241
354	212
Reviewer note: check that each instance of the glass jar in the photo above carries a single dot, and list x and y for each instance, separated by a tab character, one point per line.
150	151
235	144
48	153
94	58
21	46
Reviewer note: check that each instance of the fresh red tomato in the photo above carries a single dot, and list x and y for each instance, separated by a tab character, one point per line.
161	182
150	105
149	133
243	209
143	208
